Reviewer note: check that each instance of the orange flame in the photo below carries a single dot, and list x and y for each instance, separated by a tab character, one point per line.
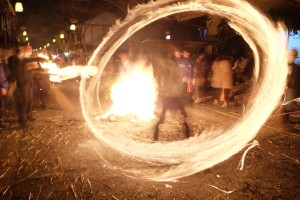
134	94
60	74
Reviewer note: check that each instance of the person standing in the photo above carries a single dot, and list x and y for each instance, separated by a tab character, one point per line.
3	89
41	84
13	63
292	90
186	63
222	78
200	72
125	65
172	93
25	84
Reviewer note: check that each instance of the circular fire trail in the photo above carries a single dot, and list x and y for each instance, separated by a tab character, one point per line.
184	158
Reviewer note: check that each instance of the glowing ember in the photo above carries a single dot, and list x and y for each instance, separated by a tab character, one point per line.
134	94
210	148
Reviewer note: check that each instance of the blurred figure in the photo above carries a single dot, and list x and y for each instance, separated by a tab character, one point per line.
172	92
200	71
177	55
125	64
186	64
292	90
25	84
3	89
238	69
41	84
222	78
13	63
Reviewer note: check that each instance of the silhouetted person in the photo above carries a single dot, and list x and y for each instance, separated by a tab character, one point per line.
292	90
172	94
25	84
3	89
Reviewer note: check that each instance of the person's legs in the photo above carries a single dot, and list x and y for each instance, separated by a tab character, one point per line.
196	89
160	121
289	96
2	108
226	93
43	98
23	105
187	129
30	103
44	95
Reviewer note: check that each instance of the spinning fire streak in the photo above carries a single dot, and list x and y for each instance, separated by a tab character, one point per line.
60	74
174	160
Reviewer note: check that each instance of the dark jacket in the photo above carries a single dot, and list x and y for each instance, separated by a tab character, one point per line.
3	80
24	75
13	63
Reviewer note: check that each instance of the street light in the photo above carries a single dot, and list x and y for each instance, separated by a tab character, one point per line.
19	7
26	39
168	35
54	40
72	27
24	33
62	36
48	44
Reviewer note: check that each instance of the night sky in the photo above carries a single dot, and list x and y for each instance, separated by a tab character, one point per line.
44	19
40	19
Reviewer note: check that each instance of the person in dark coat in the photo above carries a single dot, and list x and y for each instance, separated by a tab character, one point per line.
3	88
24	77
42	85
292	90
172	94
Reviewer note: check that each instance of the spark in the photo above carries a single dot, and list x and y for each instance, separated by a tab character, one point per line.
255	143
288	102
227	192
268	42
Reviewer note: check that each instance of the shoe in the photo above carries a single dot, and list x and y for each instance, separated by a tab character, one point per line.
45	107
31	119
2	125
24	126
215	102
224	105
198	100
291	122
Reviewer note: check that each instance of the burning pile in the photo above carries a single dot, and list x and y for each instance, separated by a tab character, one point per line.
134	94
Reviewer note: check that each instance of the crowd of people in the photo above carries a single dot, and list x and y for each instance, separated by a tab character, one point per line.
201	73
20	74
227	78
186	75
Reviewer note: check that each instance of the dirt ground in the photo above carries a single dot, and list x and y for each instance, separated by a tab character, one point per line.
59	158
